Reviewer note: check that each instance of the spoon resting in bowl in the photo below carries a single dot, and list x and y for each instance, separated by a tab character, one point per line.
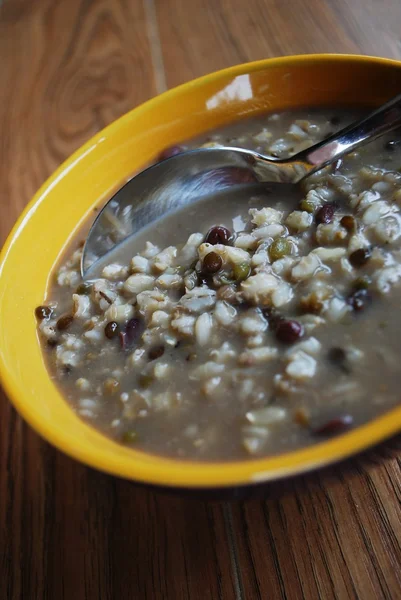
184	178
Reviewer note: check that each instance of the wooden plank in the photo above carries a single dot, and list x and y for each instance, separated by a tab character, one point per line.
67	69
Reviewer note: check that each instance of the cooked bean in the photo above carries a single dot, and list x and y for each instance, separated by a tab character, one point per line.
64	322
156	352
348	222
218	235
279	248
145	381
301	417
111	386
133	330
289	331
307	205
83	289
334	426
130	334
111	329
212	263
359	299
43	312
360	257
241	271
325	214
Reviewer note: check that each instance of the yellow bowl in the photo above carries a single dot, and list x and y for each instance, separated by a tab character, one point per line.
88	177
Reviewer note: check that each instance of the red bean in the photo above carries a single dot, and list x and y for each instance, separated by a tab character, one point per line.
360	257
325	214
289	331
64	322
43	312
212	263
335	426
133	330
171	151
111	330
131	333
218	235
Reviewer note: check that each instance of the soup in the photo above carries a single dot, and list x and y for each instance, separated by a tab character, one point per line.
248	323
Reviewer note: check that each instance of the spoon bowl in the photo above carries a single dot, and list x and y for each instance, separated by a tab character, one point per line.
190	176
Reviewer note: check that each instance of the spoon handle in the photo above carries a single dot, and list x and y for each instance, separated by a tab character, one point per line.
379	122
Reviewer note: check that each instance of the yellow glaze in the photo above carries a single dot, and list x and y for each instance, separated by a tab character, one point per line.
88	178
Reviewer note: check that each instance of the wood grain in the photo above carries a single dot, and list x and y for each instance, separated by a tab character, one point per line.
66	531
68	68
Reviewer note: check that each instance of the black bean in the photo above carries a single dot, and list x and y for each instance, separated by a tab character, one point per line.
67	369
64	322
360	257
218	235
111	329
338	357
325	214
335	426
359	299
171	151
156	352
348	222
133	330
289	331
43	312
212	263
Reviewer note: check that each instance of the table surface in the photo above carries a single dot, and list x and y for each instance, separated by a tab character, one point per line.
67	68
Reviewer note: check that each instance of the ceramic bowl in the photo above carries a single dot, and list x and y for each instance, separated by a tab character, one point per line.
88	178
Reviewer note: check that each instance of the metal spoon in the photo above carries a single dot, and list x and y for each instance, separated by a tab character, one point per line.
187	177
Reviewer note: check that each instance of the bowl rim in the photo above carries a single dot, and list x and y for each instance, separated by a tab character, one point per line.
183	473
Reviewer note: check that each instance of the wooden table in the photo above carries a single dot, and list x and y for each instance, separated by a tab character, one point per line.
67	68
